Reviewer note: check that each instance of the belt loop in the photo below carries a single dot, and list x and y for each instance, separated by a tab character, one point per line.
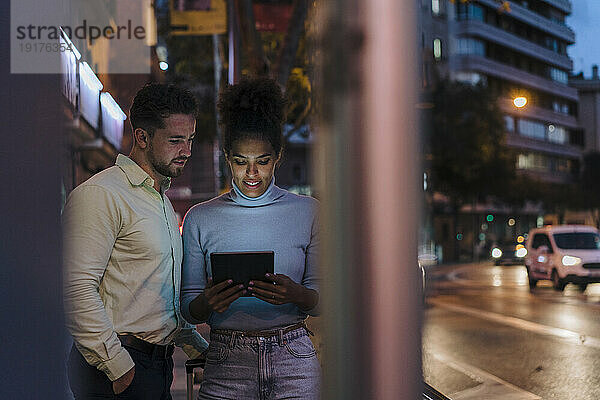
306	328
232	339
280	338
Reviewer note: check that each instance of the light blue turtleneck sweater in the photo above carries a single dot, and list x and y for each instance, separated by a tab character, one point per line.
277	221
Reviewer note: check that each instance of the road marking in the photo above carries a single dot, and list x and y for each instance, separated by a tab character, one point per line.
490	388
565	334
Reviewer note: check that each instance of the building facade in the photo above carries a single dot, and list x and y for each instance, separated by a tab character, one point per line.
589	107
518	49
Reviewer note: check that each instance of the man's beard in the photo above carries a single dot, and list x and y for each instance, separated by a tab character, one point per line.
163	168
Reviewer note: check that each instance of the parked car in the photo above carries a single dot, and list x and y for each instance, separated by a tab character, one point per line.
563	254
508	253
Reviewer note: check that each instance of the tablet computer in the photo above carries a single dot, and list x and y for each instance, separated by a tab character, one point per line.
241	267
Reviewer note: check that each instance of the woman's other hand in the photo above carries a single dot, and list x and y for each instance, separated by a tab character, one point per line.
216	298
280	289
220	296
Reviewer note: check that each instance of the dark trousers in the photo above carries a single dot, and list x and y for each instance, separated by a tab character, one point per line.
152	379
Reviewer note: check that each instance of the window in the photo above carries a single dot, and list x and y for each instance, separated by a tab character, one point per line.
509	123
556	16
579	240
476	13
472	78
532	129
558	75
541	240
560	107
532	161
473	12
470	46
552	43
437	49
435	7
557	134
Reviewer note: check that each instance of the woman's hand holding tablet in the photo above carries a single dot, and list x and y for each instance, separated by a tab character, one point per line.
281	289
221	295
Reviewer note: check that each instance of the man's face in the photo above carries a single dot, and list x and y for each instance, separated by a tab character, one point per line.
170	147
252	164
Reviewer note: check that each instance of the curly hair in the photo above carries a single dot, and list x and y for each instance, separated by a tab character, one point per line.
156	101
252	109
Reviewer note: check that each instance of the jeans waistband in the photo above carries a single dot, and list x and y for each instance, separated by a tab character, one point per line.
263	333
275	335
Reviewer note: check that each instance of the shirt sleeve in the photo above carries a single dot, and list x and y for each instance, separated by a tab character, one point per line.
91	222
311	270
190	341
193	270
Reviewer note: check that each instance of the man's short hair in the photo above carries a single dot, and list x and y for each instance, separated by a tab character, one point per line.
157	101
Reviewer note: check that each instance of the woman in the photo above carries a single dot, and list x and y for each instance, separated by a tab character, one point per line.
259	346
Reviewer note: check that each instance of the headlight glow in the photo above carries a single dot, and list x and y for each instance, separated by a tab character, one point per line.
570	261
521	252
496	252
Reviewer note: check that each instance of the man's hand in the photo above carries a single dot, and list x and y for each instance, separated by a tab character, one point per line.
281	289
123	382
220	296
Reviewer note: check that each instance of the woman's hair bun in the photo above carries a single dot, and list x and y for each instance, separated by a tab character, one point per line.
261	96
252	109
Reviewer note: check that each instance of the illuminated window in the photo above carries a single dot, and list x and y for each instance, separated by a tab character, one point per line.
559	75
472	78
470	46
557	134
437	49
532	129
435	7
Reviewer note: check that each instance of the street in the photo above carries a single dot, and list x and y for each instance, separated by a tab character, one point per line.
486	336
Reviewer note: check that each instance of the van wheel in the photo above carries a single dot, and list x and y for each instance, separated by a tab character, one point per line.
582	287
557	283
532	282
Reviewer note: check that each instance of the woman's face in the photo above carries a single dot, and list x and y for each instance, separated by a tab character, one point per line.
252	163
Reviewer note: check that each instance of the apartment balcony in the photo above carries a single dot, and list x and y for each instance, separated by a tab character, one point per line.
563	150
516	43
506	72
563	5
534	19
538	113
550	177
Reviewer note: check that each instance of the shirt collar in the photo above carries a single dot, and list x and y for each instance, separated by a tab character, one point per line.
269	196
136	175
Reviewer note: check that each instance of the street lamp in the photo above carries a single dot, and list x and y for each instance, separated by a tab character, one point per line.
520	101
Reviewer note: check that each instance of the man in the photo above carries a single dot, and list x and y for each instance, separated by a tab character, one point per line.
122	259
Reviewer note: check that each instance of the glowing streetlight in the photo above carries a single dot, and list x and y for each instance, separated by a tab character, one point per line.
520	101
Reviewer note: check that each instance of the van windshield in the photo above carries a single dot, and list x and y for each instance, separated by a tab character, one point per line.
577	240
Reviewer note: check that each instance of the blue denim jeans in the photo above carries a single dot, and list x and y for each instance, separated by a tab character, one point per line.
261	368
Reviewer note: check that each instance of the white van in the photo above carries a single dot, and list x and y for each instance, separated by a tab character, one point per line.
563	254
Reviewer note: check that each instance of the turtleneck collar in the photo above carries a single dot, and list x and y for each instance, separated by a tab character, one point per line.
269	196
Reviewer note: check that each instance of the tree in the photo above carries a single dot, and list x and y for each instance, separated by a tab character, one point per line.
252	39
469	159
282	56
590	183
